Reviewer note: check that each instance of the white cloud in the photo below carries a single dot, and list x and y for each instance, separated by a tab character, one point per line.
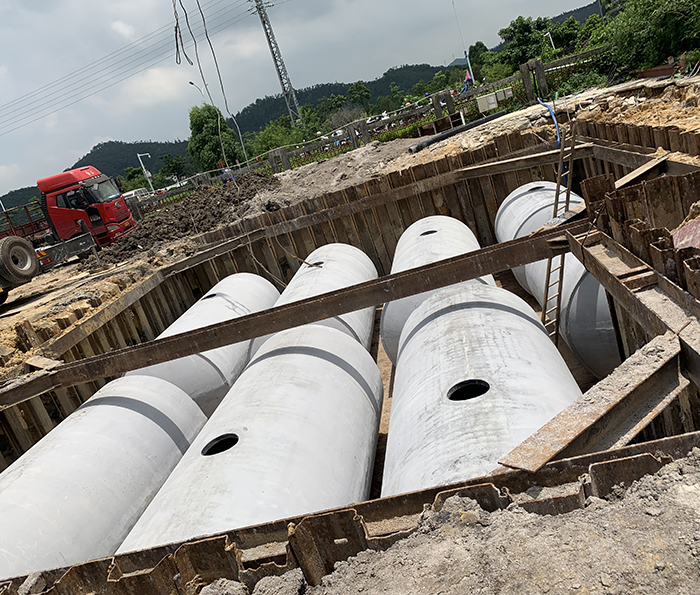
124	30
11	176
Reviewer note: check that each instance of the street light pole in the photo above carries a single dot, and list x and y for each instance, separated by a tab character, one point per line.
146	174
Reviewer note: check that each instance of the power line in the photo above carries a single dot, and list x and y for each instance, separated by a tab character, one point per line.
92	78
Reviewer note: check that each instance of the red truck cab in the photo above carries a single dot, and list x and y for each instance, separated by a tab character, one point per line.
85	194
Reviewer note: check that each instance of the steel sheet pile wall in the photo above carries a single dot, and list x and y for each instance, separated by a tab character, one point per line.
476	372
208	376
585	321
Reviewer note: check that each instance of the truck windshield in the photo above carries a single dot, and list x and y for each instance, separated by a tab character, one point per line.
104	191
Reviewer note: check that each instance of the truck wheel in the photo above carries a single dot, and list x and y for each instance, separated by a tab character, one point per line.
18	261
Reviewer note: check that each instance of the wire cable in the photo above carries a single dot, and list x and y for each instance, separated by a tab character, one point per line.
100	81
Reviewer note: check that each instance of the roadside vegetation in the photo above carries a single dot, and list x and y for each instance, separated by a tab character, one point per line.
640	34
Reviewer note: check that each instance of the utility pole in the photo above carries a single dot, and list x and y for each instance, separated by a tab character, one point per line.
146	173
290	96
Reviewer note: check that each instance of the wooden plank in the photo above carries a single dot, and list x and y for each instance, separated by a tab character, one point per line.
372	293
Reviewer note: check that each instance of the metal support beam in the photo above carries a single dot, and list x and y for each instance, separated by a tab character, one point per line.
613	412
493	259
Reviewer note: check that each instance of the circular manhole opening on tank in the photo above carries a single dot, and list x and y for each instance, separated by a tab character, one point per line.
220	444
429	232
468	389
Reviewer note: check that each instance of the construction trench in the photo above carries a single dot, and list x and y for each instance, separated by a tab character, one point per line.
638	184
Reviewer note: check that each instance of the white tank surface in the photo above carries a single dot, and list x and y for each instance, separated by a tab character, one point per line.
332	267
296	434
476	375
424	242
76	494
208	376
585	322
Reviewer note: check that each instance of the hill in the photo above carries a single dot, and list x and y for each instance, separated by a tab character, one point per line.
580	14
257	115
113	157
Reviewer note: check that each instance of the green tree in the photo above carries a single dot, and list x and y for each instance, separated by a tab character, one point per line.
565	35
359	94
646	32
331	104
174	166
476	53
204	148
592	27
524	40
493	69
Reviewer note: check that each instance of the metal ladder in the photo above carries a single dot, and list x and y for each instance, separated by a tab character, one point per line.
555	265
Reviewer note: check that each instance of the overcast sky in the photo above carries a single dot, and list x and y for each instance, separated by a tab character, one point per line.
112	64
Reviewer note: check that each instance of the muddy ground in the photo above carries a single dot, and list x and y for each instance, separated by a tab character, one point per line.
644	540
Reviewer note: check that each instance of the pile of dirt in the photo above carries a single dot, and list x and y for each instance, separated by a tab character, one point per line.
673	105
644	540
207	208
330	175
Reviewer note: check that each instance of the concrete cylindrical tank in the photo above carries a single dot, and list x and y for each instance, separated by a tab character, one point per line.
426	241
476	375
331	267
296	434
208	376
585	322
77	493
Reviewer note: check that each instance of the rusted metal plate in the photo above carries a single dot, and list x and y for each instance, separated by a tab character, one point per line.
604	413
319	541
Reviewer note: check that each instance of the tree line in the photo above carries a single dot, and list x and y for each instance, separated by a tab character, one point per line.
640	33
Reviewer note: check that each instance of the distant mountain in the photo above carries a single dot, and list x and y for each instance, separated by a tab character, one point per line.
113	157
256	116
18	197
580	14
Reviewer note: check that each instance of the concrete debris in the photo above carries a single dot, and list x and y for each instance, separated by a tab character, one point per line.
291	583
224	587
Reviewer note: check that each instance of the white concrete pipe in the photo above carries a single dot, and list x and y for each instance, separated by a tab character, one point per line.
585	322
333	266
208	376
77	493
296	434
476	375
426	241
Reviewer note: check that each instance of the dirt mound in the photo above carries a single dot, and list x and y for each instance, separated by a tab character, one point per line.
206	209
643	540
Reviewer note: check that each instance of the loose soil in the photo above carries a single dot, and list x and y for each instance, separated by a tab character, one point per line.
644	540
